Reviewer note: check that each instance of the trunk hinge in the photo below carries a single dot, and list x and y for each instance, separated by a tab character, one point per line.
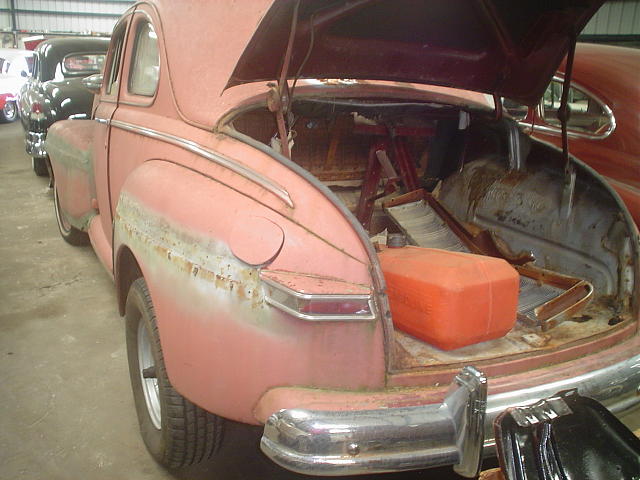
278	98
563	115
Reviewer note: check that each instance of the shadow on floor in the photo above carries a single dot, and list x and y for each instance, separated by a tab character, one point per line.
251	464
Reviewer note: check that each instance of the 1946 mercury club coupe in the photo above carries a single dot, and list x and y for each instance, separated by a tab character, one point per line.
326	226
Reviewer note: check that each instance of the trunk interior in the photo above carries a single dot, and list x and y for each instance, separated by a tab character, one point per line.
465	182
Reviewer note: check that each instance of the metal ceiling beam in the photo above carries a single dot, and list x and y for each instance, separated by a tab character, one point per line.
20	11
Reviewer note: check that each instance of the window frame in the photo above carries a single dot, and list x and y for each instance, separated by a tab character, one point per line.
82	73
137	25
114	59
550	128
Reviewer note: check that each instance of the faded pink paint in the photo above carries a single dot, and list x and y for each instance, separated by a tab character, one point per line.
317	285
75	185
255	240
436	386
225	365
100	243
215	353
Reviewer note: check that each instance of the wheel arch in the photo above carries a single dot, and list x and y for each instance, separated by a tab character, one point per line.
126	271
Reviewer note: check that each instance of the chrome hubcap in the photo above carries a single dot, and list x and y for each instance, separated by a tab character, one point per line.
146	363
9	110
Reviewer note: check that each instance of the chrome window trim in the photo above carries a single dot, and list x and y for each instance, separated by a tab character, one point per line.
573	133
82	73
236	167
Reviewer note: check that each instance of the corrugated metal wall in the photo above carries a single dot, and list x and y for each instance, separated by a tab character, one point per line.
79	16
621	17
616	17
5	17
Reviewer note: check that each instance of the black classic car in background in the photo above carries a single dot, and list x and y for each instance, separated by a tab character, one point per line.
55	91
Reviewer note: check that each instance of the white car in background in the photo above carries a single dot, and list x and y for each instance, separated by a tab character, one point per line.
15	67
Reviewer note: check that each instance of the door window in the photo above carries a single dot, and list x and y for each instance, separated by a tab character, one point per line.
112	77
145	62
587	115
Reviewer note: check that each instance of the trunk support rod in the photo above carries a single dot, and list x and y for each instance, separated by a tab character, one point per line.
278	99
563	115
563	111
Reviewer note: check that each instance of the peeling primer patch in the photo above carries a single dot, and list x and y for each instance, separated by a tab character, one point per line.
66	154
83	222
200	272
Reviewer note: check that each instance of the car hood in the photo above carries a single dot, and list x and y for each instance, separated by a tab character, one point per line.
500	47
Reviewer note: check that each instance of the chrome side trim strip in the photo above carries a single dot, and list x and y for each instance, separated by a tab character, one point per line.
198	149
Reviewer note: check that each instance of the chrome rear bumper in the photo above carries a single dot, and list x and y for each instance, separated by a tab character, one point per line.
452	433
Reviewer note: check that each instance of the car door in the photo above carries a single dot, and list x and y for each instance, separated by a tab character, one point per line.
104	108
137	106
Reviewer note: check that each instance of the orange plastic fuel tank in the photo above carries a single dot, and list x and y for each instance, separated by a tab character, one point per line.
450	299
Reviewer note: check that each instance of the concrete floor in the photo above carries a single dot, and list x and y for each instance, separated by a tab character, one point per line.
67	410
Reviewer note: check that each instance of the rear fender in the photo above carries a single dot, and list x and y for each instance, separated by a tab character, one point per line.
69	145
223	345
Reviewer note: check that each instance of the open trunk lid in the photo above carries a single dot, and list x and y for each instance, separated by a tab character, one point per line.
500	47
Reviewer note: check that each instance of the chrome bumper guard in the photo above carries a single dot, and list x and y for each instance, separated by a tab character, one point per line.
35	144
337	443
345	443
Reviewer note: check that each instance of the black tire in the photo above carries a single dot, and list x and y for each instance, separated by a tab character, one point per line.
69	233
178	433
39	165
9	112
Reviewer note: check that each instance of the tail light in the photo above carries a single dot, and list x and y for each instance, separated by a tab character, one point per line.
37	112
315	298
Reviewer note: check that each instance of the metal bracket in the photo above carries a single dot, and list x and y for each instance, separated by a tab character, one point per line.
568	192
467	404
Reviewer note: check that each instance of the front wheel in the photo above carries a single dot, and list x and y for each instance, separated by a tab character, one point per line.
9	112
176	432
69	233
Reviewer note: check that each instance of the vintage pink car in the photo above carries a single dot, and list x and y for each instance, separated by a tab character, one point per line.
254	200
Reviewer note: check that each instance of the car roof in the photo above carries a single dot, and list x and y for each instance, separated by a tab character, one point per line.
610	72
236	46
52	51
